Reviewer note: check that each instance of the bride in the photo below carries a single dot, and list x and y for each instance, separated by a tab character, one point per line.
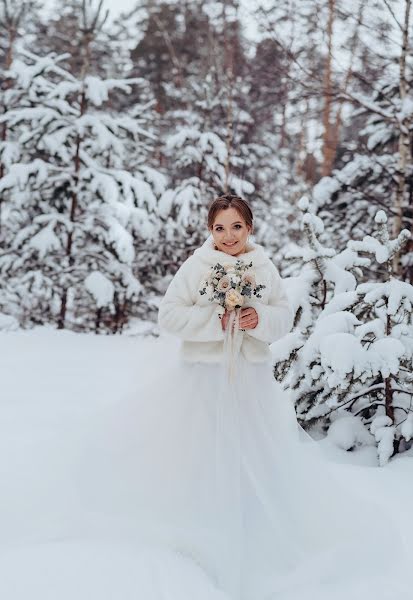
207	458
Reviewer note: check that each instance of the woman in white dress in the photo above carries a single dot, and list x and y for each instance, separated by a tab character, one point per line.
209	460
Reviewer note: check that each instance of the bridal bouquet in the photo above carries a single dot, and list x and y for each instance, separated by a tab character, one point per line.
229	285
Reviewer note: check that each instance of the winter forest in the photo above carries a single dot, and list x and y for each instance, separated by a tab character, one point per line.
117	130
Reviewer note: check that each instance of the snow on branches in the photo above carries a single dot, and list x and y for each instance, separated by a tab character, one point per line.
351	350
75	206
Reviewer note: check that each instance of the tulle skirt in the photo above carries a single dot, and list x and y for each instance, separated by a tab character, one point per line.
221	474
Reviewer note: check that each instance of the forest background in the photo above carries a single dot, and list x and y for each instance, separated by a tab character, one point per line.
116	131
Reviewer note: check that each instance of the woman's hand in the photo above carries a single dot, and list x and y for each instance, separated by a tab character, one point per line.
248	318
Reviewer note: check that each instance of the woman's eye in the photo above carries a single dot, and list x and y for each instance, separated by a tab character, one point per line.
236	227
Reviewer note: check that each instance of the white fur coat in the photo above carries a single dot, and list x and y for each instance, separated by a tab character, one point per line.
186	313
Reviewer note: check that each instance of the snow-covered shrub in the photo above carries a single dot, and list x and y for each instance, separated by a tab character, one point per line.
354	354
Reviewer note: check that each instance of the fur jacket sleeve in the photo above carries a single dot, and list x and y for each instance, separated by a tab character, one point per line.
180	313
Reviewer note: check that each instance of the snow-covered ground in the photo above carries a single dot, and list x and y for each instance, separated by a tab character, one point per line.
52	385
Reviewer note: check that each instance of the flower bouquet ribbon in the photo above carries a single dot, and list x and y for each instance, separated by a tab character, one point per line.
230	286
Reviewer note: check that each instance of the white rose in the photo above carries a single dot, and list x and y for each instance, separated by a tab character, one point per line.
232	298
249	278
224	283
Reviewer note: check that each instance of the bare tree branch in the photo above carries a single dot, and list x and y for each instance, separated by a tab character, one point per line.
393	14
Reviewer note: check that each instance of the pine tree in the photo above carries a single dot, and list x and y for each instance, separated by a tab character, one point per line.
82	208
325	274
385	310
64	30
15	17
377	169
352	346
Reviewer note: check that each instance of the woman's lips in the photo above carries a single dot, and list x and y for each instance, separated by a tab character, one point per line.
230	244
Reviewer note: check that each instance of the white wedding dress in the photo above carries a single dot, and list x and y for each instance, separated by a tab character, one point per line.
223	477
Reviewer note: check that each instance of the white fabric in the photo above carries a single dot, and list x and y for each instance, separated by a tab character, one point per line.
187	314
222	475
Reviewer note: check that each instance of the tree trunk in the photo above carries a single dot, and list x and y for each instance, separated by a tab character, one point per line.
387	382
303	142
228	77
328	136
404	141
72	216
62	314
11	31
98	319
338	120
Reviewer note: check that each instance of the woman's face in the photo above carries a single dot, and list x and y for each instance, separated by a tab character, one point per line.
230	231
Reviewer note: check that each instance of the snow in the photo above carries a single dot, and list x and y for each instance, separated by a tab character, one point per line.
210	141
316	222
240	186
342	353
339	302
9	153
383	430
96	90
324	189
165	203
8	323
407	427
381	135
398	293
380	217
407	109
158	181
303	203
83	569
342	279
45	241
104	130
281	350
50	546
348	432
192	146
19	174
101	288
27	73
374	246
46	535
357	167
145	225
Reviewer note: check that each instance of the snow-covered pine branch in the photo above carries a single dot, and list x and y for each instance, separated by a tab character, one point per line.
78	207
197	153
356	355
325	276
